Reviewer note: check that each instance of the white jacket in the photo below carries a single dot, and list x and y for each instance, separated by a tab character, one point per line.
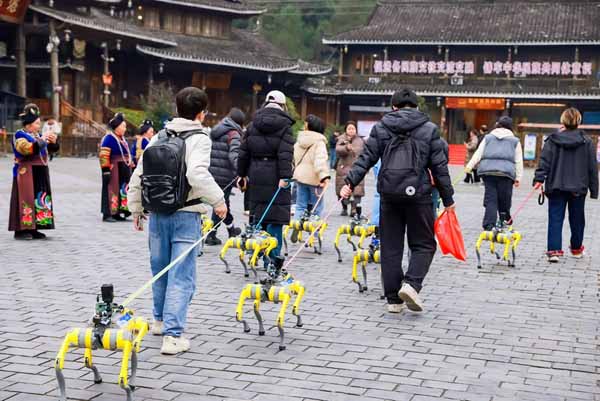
499	133
197	159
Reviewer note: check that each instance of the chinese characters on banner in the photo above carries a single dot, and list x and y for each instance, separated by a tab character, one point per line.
525	68
423	67
13	10
475	103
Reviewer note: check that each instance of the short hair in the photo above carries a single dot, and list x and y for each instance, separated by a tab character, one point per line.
314	123
350	123
570	118
405	97
237	116
190	102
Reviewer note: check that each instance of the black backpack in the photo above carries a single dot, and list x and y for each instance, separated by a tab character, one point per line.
165	187
400	176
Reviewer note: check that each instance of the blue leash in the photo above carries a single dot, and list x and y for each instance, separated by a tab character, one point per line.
257	225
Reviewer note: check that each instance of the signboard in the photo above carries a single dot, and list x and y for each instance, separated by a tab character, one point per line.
530	146
13	10
526	68
364	128
423	67
475	103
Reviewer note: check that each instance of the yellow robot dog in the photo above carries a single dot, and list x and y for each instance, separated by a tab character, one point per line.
310	224
502	234
278	287
358	227
258	243
364	257
127	338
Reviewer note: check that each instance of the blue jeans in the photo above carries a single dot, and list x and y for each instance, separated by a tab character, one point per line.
557	205
332	157
171	235
306	195
435	197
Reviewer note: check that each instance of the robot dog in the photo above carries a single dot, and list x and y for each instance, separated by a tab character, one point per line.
127	337
501	234
251	240
358	227
278	287
364	257
309	223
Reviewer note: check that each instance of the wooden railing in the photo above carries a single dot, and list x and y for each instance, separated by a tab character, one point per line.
76	123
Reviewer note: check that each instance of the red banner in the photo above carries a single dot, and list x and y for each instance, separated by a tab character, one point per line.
13	10
475	103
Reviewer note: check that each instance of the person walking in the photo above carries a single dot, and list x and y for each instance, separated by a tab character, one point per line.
333	138
31	205
311	165
172	232
265	166
500	159
568	169
410	147
226	138
348	148
471	146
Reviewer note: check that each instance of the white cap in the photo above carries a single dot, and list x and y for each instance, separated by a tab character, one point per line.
276	97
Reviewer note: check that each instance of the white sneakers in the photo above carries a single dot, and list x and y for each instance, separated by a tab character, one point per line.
395	308
411	298
157	328
174	345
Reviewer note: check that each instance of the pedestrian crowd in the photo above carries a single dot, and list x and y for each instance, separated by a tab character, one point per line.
169	177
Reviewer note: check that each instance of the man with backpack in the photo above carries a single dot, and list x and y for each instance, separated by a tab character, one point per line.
223	165
410	147
173	183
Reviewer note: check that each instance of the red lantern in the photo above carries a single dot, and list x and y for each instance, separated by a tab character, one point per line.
107	79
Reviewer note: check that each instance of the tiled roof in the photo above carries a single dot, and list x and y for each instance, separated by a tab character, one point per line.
238	7
479	22
306	68
509	89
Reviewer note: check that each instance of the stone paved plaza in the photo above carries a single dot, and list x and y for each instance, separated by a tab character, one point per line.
528	333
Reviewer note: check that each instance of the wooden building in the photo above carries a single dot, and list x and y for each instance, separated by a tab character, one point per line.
83	56
472	61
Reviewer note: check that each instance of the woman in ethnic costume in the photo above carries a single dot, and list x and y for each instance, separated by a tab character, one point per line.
31	197
145	133
115	162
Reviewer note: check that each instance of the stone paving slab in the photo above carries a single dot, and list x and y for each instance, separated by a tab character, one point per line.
524	333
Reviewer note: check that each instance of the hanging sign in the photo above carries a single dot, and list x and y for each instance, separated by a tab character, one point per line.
13	10
529	148
475	103
423	67
526	68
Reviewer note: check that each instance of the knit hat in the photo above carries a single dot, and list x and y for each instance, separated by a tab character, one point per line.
276	97
117	119
505	122
146	125
405	97
31	112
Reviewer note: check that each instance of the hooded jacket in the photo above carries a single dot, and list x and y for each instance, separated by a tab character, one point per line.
311	161
197	160
414	123
266	156
503	157
225	138
568	163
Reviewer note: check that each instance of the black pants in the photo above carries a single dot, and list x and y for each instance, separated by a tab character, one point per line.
496	200
416	220
476	177
229	218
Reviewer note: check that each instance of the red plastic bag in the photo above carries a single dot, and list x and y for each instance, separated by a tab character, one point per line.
449	235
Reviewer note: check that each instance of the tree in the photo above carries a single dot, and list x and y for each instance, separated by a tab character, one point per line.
159	105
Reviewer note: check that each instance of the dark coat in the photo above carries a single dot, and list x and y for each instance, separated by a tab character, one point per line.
347	151
431	147
568	163
225	138
266	156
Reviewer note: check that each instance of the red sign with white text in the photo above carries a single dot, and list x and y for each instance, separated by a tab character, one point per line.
13	10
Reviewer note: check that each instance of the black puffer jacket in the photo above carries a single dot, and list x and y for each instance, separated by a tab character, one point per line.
431	150
568	163
266	156
225	138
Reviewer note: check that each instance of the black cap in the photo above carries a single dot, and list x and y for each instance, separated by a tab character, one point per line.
405	97
146	125
116	120
31	112
505	122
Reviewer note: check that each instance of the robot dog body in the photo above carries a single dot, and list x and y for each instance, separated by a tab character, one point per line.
249	241
310	224
279	287
364	257
128	338
500	235
358	227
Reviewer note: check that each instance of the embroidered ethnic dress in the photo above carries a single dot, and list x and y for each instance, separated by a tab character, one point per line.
115	162
138	148
31	196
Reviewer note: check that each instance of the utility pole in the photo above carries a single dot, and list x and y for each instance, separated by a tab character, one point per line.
21	59
54	42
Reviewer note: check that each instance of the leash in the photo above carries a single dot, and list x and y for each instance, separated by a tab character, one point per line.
168	267
523	203
271	204
319	198
541	196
